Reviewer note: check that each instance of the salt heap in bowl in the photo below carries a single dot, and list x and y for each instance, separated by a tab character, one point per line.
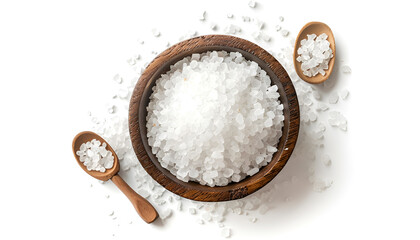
315	54
214	118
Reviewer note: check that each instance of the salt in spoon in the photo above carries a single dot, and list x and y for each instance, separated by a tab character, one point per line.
317	28
142	206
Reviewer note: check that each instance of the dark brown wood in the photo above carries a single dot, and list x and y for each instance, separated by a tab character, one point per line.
142	206
318	28
160	65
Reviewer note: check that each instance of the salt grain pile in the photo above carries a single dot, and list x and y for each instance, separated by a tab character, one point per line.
95	156
315	54
214	118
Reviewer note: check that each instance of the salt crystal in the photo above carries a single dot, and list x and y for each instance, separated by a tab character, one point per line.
278	28
333	99
203	16
346	69
246	18
144	193
263	209
155	32
230	15
326	160
165	214
207	217
192	211
226	232
252	4
253	220
118	79
284	32
344	94
281	18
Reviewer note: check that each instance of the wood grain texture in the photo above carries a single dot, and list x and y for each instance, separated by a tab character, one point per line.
317	28
160	65
142	206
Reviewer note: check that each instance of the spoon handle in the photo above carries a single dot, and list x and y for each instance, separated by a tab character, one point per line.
142	206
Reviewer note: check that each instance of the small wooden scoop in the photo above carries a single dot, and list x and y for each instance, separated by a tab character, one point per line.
142	206
318	28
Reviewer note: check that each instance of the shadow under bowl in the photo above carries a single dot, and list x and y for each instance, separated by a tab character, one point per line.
160	65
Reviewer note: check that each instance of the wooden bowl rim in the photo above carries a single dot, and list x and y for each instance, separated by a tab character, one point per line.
192	190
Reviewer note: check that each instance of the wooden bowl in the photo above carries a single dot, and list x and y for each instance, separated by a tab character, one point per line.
140	100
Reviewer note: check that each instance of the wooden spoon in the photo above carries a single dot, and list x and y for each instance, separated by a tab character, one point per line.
142	206
317	28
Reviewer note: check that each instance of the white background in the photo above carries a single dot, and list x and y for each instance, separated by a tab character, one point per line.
55	57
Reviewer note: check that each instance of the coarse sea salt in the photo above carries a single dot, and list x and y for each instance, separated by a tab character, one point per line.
214	118
115	129
95	156
314	53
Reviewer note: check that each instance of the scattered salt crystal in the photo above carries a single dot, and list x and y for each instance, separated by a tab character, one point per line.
333	99
226	232
260	24
237	211
346	69
200	221
246	18
213	26
111	109
263	209
284	32
165	213
232	29
252	4
344	94
281	18
155	32
118	79
207	217
230	15
322	107
192	211
316	95
253	219
278	28
202	16
221	225
336	119
144	193
326	160
111	213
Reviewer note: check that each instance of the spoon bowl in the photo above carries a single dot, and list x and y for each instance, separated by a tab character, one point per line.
316	28
142	206
86	136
